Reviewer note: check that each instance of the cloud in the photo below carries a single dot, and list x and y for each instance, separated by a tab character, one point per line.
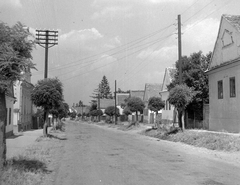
170	1
167	53
104	63
113	43
113	12
200	35
86	34
14	3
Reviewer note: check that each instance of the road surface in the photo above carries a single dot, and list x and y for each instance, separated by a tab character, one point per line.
95	155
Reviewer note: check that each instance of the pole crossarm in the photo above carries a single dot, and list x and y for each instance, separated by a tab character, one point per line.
46	39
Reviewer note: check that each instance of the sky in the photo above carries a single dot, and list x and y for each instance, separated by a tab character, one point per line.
130	41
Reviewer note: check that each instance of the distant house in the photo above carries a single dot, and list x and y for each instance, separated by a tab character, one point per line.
168	111
151	90
224	77
104	103
23	109
10	99
137	93
120	99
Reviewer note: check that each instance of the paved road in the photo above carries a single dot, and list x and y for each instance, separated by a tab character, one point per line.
98	155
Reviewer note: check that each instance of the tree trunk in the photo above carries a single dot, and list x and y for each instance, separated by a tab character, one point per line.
136	118
3	117
156	122
180	119
45	126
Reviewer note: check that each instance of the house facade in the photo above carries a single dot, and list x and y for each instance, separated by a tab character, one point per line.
23	109
224	77
168	113
9	97
151	90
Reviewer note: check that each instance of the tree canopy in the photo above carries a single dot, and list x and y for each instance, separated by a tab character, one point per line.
180	96
48	93
15	53
155	104
194	76
110	111
102	91
135	104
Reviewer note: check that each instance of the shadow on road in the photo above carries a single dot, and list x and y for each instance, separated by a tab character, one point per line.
27	165
57	137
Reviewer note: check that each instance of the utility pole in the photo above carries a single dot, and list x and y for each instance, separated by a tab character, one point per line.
47	39
180	61
180	49
98	106
115	97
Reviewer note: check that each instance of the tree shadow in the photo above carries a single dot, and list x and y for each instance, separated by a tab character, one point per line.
27	165
57	137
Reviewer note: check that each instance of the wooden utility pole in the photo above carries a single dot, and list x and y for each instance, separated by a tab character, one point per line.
180	62
180	49
115	97
99	106
46	39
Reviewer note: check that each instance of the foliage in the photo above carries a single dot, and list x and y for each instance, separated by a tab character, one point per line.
48	93
194	76
110	111
103	90
127	111
94	112
121	91
63	110
73	114
99	112
79	114
180	96
15	53
135	104
93	107
155	104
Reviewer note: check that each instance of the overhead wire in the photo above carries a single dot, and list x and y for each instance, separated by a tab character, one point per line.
110	62
133	43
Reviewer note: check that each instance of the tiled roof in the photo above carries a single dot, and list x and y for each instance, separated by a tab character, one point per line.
234	20
151	90
104	103
121	97
137	93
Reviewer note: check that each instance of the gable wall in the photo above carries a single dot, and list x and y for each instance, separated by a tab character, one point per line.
223	53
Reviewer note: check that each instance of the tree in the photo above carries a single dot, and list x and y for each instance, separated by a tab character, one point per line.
180	96
135	104
15	60
127	111
104	89
110	111
48	94
156	104
194	76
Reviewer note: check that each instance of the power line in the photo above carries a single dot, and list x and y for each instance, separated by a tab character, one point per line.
135	42
111	62
198	11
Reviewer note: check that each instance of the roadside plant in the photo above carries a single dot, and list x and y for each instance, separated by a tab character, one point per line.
48	94
110	111
136	105
180	96
155	104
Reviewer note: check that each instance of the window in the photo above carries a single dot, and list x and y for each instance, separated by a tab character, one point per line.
220	89
10	116
232	87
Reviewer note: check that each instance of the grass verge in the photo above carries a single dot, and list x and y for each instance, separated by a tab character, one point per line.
35	165
209	140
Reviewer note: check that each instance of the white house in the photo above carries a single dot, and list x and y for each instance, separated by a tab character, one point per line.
224	77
